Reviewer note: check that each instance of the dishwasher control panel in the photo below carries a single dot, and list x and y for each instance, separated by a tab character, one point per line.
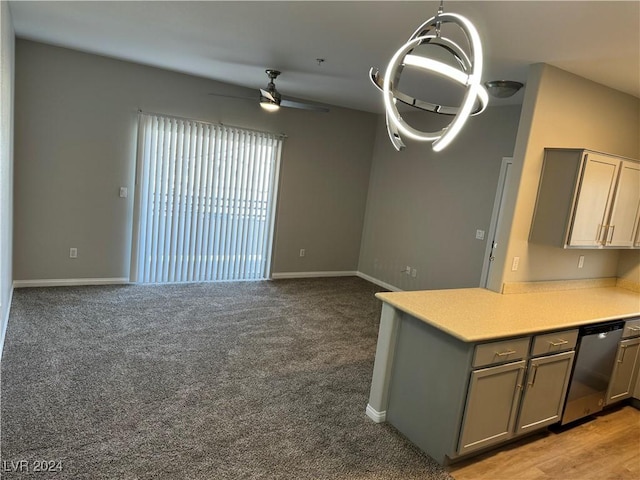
631	328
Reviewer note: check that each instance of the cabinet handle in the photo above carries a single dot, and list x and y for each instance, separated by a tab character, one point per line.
535	371
623	349
557	344
520	378
610	238
505	354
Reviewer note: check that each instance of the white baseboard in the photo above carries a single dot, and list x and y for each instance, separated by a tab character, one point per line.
364	276
376	416
282	275
69	282
380	283
5	323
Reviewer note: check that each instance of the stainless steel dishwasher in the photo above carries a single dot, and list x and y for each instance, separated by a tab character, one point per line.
595	359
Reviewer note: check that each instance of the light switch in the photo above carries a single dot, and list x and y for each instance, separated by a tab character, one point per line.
124	192
480	234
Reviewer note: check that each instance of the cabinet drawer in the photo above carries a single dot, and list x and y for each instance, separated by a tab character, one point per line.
631	328
499	352
554	342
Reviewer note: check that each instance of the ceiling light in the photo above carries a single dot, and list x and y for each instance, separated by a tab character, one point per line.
503	88
269	106
466	72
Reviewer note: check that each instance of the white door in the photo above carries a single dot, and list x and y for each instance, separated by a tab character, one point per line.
496	218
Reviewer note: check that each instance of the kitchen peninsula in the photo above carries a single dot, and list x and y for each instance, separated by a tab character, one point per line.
453	368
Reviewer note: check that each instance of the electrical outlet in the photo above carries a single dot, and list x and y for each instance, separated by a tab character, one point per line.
515	264
302	252
581	261
414	273
73	252
407	270
123	192
480	234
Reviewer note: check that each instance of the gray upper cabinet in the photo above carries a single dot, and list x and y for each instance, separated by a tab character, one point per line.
545	391
587	200
593	202
625	213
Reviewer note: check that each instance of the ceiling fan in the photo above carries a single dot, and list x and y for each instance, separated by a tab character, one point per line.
271	100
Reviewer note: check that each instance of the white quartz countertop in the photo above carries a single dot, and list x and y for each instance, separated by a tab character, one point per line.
476	314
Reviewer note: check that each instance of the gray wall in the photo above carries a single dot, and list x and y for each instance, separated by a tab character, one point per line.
563	110
6	163
424	208
76	117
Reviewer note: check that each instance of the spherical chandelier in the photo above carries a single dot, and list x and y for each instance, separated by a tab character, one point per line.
465	71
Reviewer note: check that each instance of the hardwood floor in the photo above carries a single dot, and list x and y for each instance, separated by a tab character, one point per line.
606	447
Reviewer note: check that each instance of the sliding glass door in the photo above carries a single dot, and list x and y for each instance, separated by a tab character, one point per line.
205	201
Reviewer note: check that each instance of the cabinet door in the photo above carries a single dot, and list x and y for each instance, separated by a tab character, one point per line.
593	201
625	370
621	226
492	402
545	391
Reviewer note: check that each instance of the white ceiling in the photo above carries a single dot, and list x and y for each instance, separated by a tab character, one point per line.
235	41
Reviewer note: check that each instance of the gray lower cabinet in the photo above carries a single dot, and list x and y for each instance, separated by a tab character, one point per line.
453	398
625	370
492	406
544	391
519	396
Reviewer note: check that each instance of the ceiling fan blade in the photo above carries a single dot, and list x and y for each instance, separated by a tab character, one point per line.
268	95
303	106
224	95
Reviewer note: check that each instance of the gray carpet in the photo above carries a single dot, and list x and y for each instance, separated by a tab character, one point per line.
255	380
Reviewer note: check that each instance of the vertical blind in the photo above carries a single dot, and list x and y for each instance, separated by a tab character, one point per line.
205	201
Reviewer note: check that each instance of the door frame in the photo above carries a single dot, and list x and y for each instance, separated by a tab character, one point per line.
496	217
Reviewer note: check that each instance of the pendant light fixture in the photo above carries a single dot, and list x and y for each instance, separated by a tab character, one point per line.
503	88
467	72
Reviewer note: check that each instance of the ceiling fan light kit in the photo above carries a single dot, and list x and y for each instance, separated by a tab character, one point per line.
468	74
269	106
270	98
